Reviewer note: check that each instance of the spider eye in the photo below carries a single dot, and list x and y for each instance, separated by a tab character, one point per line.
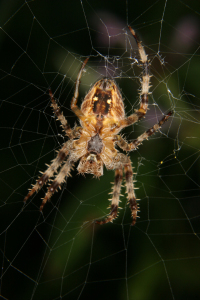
99	116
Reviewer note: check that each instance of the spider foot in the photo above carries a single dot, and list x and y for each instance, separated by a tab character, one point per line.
111	217
134	209
32	191
51	190
36	187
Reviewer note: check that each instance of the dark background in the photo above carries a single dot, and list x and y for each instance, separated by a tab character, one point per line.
61	254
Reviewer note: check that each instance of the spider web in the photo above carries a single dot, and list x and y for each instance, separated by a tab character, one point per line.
61	253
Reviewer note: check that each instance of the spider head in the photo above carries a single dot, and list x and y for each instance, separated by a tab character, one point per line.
91	163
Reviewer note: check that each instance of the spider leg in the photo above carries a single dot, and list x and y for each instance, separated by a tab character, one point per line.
49	172
60	116
130	191
145	84
74	106
124	145
71	133
59	179
115	198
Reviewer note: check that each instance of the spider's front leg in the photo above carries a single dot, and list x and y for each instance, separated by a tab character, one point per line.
49	172
115	198
125	163
130	191
59	179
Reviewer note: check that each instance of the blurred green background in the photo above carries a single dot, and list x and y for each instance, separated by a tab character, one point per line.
62	254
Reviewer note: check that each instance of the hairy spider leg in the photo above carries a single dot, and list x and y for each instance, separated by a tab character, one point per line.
71	133
115	197
59	179
145	76
145	85
74	106
124	145
116	194
59	114
129	174
49	172
130	191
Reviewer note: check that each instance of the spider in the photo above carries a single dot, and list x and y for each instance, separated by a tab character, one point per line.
102	117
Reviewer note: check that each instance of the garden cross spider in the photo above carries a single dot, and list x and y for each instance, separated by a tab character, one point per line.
102	117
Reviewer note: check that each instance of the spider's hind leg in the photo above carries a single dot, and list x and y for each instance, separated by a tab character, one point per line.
59	114
145	76
74	106
145	85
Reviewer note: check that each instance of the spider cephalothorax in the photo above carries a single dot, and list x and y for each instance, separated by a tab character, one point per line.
93	143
